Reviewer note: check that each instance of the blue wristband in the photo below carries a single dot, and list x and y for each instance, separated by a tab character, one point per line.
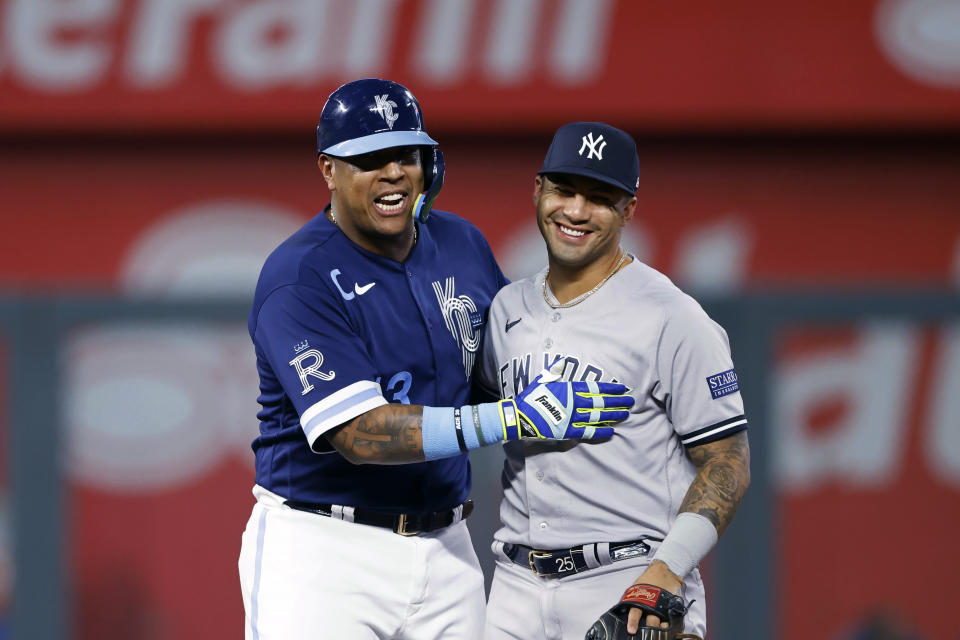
491	426
447	431
439	433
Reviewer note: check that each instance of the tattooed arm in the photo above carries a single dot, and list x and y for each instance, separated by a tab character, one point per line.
723	475
394	434
389	434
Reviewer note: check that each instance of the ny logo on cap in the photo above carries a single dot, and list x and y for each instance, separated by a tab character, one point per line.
591	145
385	109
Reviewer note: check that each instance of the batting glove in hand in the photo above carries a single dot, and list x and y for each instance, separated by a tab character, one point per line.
548	408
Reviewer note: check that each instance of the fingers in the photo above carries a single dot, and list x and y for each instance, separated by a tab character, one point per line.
619	402
590	387
633	621
609	388
583	401
587	432
654	621
600	395
596	418
548	374
599	401
551	373
556	367
584	431
600	433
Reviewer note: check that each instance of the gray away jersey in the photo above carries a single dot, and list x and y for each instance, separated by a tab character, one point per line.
637	329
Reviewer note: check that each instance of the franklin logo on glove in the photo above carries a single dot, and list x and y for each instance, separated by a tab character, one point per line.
550	407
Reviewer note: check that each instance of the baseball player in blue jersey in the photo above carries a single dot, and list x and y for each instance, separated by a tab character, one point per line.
624	521
366	325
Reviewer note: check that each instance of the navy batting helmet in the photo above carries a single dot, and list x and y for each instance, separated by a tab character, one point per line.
373	114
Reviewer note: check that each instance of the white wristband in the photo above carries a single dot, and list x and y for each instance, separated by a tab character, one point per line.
690	539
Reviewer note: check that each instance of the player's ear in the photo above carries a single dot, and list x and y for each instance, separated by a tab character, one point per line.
327	168
537	188
629	209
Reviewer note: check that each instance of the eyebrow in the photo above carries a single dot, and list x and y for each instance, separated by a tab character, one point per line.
591	191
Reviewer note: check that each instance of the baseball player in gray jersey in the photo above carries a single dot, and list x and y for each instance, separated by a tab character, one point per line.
583	521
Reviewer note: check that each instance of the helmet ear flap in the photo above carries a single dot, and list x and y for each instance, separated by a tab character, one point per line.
433	171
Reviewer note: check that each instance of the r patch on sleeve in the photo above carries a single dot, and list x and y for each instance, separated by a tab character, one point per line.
723	384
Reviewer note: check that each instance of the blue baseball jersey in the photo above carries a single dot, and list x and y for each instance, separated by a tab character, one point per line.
339	331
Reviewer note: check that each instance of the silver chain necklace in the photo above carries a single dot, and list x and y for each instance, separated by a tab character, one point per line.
583	296
333	217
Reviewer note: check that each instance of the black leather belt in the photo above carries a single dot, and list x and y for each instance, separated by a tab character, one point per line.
564	562
406	524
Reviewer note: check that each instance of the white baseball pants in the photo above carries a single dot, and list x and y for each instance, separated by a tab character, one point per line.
523	606
305	577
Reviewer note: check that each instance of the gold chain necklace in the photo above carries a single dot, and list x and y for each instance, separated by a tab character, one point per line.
583	296
333	217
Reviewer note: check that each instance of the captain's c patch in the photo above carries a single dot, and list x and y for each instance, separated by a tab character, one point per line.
723	384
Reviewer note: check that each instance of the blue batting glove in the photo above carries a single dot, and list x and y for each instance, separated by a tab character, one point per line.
548	408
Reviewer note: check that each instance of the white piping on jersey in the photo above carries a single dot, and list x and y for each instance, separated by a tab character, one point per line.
257	565
719	429
339	407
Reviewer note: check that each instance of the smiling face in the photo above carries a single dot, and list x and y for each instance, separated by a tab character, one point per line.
373	196
580	219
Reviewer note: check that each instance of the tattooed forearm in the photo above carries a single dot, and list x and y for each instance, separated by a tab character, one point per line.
723	475
389	434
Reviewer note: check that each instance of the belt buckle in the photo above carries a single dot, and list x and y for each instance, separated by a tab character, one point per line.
401	527
539	555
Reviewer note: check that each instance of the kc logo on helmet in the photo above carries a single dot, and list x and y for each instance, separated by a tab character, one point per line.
385	109
591	146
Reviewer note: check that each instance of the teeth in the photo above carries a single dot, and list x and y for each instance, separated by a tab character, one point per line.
391	202
572	232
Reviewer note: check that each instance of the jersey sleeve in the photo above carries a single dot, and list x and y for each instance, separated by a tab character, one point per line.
322	364
485	378
697	382
486	368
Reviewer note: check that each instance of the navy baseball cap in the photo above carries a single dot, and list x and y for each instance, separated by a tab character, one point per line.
595	150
